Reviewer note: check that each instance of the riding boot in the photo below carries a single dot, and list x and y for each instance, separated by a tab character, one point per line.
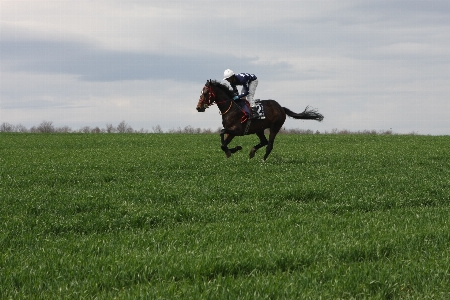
255	114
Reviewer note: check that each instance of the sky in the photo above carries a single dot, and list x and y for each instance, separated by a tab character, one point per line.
364	64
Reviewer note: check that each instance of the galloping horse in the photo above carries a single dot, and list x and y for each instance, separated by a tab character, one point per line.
275	115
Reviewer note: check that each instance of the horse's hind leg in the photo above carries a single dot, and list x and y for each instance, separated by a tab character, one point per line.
272	135
262	142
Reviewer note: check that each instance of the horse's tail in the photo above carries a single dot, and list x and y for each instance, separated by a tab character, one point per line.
307	114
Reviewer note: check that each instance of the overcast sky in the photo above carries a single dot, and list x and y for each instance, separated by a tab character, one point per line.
365	65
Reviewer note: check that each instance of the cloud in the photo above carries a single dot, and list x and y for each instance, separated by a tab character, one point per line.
400	8
91	63
363	64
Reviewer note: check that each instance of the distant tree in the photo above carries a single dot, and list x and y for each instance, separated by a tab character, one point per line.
46	127
157	129
85	129
6	127
189	129
96	130
123	127
173	130
110	128
21	128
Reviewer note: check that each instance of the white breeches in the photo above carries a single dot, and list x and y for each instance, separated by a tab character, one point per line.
251	92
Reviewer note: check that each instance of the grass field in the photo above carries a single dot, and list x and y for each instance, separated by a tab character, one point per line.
165	216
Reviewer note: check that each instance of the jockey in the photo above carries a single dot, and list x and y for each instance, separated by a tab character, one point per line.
249	83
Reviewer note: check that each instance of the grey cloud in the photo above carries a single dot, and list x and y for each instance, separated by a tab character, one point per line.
361	25
411	14
95	64
405	7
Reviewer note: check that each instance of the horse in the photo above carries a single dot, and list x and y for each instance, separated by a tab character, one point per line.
232	116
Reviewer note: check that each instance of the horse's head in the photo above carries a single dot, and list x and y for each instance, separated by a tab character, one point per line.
207	97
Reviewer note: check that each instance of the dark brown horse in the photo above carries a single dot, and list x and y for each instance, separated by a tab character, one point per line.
275	115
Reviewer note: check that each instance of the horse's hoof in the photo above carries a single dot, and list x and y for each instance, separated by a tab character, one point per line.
228	154
238	148
252	153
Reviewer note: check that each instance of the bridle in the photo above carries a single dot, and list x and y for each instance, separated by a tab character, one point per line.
212	98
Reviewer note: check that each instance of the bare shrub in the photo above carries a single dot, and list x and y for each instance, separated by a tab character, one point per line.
142	130
295	131
178	130
191	130
207	131
372	132
301	131
64	129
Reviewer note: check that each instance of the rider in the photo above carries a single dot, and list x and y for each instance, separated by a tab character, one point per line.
249	83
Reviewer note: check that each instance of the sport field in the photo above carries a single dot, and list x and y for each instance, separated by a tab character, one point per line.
165	216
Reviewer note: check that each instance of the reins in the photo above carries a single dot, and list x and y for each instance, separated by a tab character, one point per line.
231	103
211	93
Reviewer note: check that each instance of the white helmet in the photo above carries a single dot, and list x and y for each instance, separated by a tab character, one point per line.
227	74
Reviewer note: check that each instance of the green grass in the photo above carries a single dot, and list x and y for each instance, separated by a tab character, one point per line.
168	216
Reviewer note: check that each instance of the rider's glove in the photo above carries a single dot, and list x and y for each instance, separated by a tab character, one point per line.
235	98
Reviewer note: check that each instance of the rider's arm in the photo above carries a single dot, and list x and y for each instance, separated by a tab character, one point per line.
235	90
244	90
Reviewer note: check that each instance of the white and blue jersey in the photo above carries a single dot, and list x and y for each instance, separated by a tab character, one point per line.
243	79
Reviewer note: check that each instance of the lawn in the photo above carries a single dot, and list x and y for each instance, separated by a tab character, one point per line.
166	216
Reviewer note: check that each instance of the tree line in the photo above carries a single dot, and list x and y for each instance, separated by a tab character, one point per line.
124	127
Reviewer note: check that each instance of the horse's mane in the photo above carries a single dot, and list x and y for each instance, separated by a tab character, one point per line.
222	87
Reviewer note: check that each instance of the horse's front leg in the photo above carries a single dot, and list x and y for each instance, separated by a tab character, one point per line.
226	140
